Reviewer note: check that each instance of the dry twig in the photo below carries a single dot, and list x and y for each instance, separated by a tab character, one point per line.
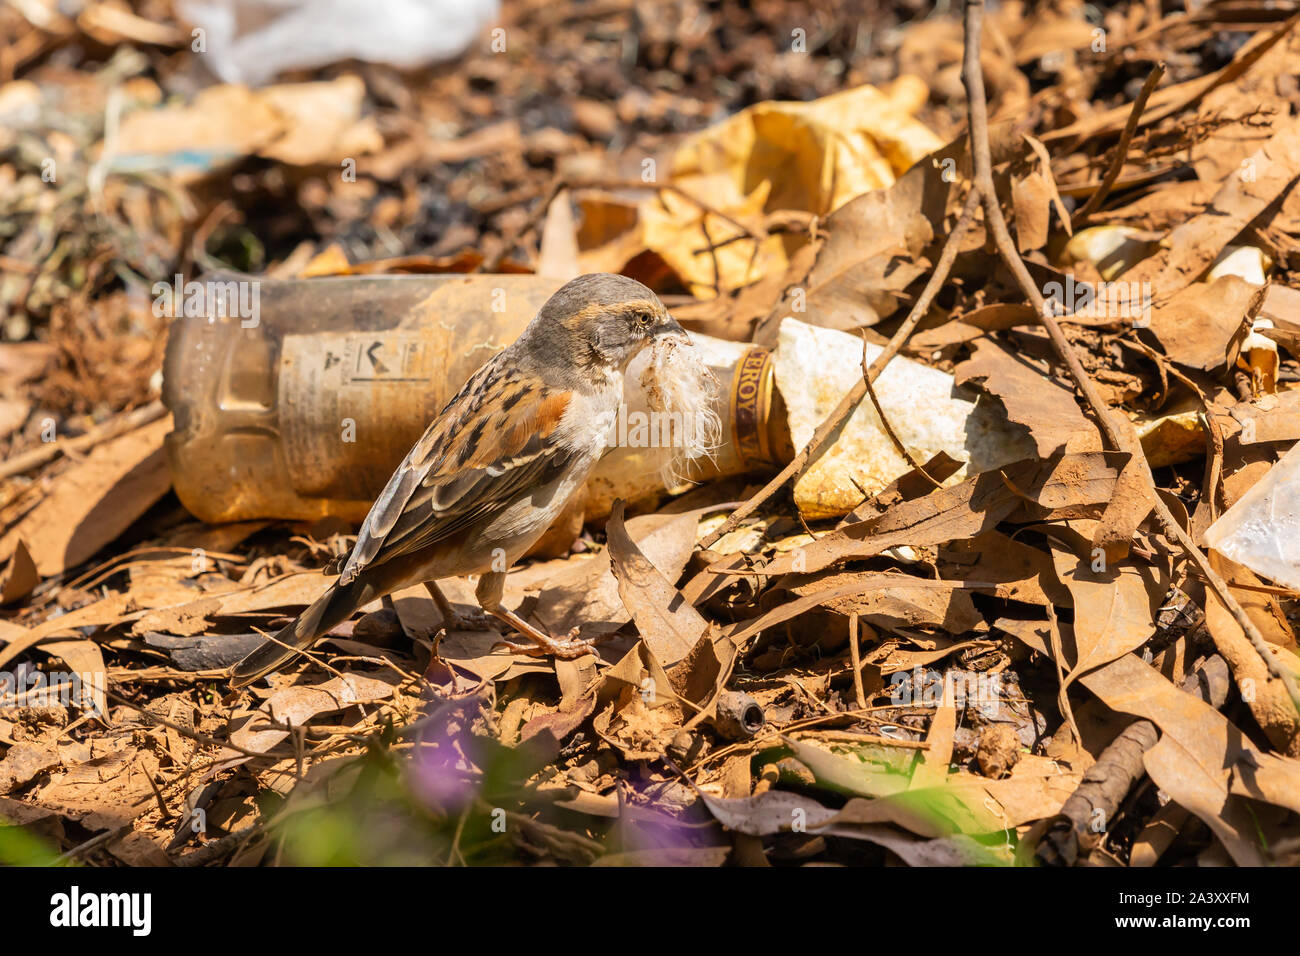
1121	148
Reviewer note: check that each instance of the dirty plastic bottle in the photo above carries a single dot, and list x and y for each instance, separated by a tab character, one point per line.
296	399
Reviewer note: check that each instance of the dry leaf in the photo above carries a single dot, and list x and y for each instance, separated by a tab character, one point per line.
95	500
666	621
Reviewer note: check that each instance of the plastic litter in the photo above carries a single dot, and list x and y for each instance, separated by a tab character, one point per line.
251	41
299	402
1262	530
928	413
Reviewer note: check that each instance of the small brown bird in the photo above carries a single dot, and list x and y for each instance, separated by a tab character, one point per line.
495	468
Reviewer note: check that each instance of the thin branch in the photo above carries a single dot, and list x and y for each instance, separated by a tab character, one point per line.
1058	658
855	657
884	422
112	428
184	731
1121	148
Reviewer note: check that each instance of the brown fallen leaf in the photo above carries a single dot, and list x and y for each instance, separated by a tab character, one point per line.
1256	95
22	362
193	617
1270	778
1125	512
1114	604
1031	398
1264	694
857	275
584	591
1158	835
95	500
13	414
763	814
23	762
853	585
899	602
1192	247
1019	571
294	123
110	610
19	575
892	658
294	706
1195	325
666	621
932	771
1172	99
1194	760
1031	197
86	660
1272	419
964	510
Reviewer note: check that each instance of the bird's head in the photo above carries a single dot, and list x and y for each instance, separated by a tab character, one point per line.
603	320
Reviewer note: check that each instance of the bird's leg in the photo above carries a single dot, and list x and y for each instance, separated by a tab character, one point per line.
453	620
489	591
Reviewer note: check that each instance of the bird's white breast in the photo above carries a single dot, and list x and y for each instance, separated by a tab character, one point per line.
584	429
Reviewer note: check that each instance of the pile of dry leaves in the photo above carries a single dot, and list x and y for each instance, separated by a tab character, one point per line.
1043	263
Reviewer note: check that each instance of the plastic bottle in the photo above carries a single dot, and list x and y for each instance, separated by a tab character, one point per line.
296	399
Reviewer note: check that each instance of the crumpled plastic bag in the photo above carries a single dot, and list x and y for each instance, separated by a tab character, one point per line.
815	367
1262	530
251	41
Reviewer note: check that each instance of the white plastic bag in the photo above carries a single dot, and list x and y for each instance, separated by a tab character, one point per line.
815	367
1262	530
251	41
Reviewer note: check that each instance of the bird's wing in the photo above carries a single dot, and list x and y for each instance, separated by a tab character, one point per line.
495	438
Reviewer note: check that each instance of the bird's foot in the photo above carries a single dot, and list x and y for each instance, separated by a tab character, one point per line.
543	645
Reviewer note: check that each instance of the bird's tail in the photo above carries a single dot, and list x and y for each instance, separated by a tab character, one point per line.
330	609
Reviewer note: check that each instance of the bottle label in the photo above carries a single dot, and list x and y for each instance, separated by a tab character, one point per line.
351	405
751	398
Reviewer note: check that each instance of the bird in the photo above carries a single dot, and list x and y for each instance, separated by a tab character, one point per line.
495	467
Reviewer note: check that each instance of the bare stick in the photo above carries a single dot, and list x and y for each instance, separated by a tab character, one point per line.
884	421
831	426
855	657
1121	148
1118	439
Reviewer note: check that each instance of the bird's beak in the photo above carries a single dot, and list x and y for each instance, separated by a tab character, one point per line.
669	327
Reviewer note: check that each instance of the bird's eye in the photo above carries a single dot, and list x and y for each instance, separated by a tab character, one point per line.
643	319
